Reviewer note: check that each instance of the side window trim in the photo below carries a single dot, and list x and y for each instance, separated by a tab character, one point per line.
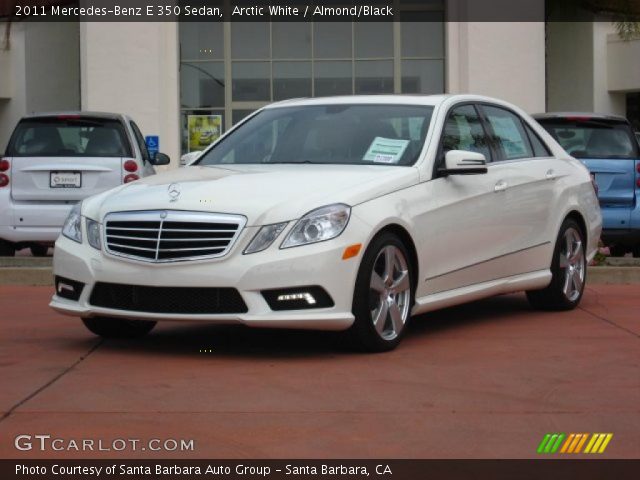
142	146
530	131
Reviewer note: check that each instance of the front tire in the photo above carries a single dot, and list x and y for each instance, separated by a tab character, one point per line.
383	295
118	328
569	271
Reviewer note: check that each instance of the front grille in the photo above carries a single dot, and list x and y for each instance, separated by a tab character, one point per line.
171	235
179	300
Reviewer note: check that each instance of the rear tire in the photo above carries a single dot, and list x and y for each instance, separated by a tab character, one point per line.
569	271
39	250
7	249
107	327
383	295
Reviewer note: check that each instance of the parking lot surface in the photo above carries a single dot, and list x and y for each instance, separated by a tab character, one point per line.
485	380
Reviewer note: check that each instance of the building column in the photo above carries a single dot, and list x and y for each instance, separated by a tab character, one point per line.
132	68
505	60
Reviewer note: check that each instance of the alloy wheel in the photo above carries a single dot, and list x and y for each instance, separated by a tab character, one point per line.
572	261
390	292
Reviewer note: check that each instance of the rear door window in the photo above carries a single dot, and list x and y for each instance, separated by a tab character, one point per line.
598	138
508	133
69	136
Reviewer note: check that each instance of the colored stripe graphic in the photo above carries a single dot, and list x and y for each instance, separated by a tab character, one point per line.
573	443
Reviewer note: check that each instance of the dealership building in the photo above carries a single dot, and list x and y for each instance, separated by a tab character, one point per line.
161	73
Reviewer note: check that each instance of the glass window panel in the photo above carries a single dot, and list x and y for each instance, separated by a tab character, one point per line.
250	40
291	39
508	133
374	77
201	41
238	115
251	81
332	39
422	76
201	84
184	143
373	39
332	78
291	80
422	38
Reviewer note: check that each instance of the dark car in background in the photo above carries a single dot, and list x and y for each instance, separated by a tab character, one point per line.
609	148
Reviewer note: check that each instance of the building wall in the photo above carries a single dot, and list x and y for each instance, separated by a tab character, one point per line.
13	98
133	68
577	58
40	72
52	52
498	59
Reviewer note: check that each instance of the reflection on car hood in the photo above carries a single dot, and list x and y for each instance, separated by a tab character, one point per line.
263	193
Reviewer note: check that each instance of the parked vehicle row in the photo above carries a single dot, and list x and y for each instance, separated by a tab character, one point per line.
606	144
55	160
345	213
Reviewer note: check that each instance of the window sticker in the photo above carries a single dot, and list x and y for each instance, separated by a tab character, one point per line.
386	150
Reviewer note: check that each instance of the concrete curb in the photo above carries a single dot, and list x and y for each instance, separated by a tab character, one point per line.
42	275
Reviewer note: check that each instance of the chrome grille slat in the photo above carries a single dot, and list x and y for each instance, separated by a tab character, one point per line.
148	236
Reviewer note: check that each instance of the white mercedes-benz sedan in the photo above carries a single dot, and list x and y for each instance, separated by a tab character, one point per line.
347	213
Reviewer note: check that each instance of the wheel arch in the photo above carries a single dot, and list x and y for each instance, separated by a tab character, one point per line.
577	216
407	240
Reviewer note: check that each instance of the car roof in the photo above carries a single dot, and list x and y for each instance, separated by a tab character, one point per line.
81	113
598	116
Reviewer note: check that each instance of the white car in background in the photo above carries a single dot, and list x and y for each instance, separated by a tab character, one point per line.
54	160
347	213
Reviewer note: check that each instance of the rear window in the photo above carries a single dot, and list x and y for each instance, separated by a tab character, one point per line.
593	137
69	137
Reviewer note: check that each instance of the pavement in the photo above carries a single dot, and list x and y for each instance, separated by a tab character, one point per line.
484	380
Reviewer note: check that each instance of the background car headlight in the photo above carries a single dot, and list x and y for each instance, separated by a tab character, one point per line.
72	227
93	233
265	237
319	225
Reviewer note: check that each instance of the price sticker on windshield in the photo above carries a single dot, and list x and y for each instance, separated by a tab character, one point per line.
386	150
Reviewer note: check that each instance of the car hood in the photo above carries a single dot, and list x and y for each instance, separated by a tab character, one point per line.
264	194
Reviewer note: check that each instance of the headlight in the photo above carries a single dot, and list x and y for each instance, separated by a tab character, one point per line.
93	233
319	225
265	237
72	227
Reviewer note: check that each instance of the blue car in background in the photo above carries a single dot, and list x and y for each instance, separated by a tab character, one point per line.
609	148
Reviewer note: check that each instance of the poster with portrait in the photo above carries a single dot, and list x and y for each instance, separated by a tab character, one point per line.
203	130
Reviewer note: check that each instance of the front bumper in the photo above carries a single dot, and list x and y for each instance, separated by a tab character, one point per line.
319	264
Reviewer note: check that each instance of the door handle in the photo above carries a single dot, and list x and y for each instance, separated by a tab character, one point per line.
551	175
501	186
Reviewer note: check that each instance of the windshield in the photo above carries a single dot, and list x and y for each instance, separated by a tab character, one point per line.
68	136
327	134
593	137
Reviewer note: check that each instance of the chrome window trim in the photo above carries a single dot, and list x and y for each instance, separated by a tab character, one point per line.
235	220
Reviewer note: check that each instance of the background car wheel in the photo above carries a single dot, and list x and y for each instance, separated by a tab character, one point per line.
569	270
636	251
383	295
7	249
118	328
39	250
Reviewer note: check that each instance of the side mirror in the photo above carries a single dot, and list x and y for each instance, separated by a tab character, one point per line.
161	159
462	162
